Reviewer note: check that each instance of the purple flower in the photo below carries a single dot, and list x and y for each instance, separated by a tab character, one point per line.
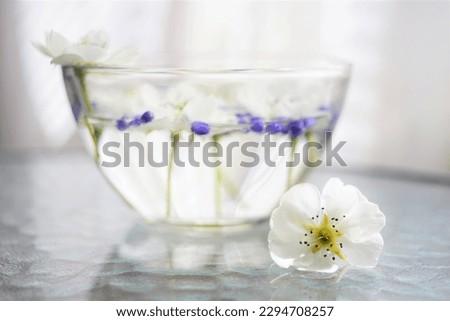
200	128
121	124
136	121
147	117
308	122
257	125
274	127
244	118
284	122
295	128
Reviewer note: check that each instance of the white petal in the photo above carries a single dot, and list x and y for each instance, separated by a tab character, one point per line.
96	38
42	49
201	108
255	97
362	221
361	197
363	254
287	106
338	198
67	60
87	53
207	109
284	253
149	96
122	56
284	227
303	201
56	43
181	94
287	223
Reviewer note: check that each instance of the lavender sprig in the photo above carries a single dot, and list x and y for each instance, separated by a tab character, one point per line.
200	128
256	124
124	123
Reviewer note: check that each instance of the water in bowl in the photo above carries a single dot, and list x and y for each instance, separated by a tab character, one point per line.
217	175
224	178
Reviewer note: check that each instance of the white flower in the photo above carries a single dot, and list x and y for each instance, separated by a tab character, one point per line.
268	99
180	103
92	49
318	232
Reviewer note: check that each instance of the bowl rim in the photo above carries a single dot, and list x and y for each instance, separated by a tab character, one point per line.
340	66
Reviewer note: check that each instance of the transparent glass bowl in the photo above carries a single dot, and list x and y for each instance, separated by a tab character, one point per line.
190	147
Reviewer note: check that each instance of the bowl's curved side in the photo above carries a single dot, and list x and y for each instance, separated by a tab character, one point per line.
206	149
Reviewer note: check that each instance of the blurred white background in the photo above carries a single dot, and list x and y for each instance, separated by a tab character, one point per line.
397	114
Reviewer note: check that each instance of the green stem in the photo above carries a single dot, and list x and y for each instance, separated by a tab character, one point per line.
218	182
294	143
81	74
313	153
95	132
173	138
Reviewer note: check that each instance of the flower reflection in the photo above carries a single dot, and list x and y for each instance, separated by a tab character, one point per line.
347	283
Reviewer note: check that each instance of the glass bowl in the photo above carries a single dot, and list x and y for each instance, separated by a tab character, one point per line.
205	147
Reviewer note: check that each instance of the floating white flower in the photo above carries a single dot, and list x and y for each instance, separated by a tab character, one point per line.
315	232
178	106
92	49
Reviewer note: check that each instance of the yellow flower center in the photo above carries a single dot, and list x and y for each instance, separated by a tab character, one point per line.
325	237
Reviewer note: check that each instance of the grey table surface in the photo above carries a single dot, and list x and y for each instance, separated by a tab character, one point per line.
65	235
